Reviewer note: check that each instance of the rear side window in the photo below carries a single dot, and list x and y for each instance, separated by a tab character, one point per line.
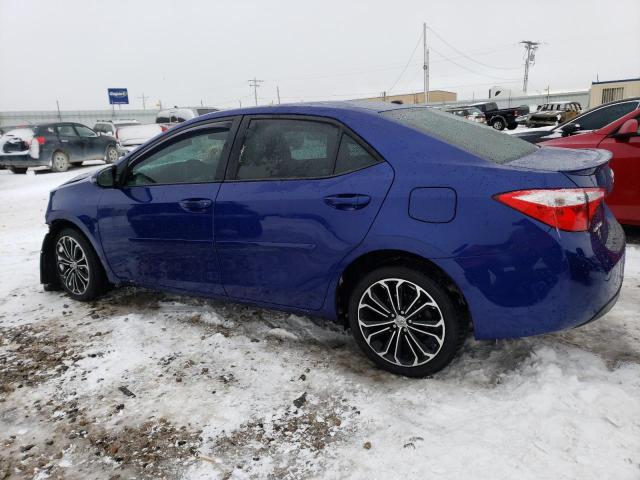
478	140
162	120
351	156
281	149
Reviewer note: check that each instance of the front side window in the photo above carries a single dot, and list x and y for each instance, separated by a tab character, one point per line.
281	149
194	158
604	116
66	131
84	131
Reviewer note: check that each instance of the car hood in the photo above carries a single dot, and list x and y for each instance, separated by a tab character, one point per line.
82	176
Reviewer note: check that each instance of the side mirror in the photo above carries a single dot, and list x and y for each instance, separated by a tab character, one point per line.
107	178
570	129
628	129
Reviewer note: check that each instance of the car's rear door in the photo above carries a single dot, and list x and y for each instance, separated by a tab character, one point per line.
157	228
300	194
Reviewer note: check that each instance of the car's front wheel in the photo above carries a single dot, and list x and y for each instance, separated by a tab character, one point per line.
405	322
78	268
111	154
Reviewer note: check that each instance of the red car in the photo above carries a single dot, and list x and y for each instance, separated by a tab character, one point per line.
622	138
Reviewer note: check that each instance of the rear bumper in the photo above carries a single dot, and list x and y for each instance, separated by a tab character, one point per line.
25	161
541	281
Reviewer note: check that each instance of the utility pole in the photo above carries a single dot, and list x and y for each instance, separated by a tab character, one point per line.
425	66
58	105
144	101
278	92
255	83
529	60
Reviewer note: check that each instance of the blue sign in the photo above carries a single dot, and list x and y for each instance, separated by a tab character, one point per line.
118	96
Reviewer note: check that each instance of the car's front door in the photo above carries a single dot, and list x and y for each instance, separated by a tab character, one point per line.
625	198
92	145
157	227
70	142
300	194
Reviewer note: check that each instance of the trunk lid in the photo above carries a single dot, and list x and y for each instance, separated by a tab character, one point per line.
588	167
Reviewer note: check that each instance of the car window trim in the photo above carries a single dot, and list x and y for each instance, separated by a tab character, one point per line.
233	164
140	156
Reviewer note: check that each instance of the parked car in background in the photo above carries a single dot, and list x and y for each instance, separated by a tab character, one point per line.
110	127
54	145
132	136
551	114
409	230
622	139
172	116
500	118
590	120
470	113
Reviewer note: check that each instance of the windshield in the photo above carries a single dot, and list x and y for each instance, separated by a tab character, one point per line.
478	140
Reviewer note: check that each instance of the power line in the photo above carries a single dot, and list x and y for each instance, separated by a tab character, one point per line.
407	65
465	67
467	56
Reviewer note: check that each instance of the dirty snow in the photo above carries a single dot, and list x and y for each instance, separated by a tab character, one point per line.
150	385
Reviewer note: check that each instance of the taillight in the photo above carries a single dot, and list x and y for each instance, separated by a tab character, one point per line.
163	128
570	209
40	140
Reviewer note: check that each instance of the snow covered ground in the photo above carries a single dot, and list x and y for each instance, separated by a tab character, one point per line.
149	385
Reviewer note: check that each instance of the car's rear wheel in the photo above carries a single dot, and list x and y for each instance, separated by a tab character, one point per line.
18	170
77	266
498	124
60	161
405	322
111	154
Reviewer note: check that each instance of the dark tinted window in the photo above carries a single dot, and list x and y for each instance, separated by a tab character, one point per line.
192	159
605	115
66	131
287	149
351	156
162	120
476	139
85	131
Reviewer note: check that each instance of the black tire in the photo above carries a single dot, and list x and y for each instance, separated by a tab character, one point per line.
18	170
91	269
512	126
452	332
498	124
60	161
111	154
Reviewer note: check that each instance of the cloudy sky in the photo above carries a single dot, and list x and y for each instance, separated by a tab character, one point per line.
187	52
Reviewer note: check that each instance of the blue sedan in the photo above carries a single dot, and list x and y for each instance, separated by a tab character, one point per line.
408	225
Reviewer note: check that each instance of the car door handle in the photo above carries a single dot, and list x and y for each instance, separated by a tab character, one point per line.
64	141
195	204
347	201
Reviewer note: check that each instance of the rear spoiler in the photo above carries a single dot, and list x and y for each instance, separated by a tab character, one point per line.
583	161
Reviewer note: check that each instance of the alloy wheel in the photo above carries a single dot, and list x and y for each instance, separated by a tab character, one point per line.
401	322
72	265
112	155
60	162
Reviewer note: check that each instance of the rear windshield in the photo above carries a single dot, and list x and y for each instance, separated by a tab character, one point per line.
479	140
